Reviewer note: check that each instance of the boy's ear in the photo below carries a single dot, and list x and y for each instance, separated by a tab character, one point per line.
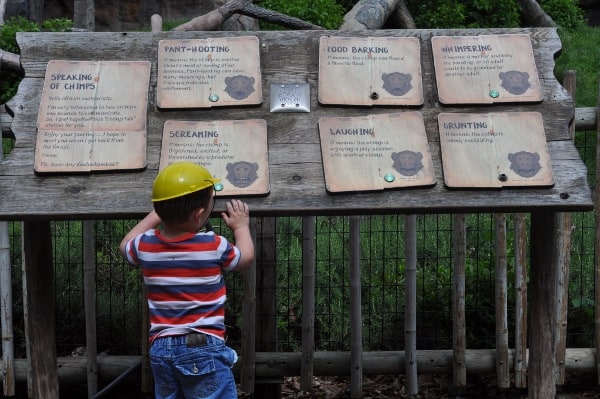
198	213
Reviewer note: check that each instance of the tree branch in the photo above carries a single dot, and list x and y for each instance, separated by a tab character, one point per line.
402	16
11	62
214	19
368	14
280	19
534	14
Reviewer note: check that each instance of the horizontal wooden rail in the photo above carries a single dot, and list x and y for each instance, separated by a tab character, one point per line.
281	364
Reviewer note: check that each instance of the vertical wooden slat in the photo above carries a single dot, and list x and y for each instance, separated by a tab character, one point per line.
356	368
544	279
147	380
410	312
39	279
249	327
89	287
308	302
564	258
597	245
502	364
459	335
520	245
6	306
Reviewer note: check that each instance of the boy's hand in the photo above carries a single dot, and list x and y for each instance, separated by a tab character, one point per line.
237	215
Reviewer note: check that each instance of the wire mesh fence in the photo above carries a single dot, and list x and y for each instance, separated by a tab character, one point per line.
120	303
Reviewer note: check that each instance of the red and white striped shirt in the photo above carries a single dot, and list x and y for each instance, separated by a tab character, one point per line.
184	280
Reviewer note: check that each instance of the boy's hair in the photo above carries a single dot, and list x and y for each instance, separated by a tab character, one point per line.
178	210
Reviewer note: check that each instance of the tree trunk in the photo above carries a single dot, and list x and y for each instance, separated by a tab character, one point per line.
534	15
401	16
368	14
2	10
84	15
36	10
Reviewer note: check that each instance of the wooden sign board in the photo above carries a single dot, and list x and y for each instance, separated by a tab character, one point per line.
485	69
375	152
234	151
204	73
370	71
92	116
494	150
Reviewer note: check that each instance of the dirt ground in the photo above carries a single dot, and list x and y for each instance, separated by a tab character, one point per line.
432	387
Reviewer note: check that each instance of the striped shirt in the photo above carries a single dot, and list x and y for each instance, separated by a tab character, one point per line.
184	280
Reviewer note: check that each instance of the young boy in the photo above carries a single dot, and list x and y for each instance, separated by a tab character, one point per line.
183	267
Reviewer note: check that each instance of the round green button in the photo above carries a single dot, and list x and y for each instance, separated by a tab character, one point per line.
218	187
213	98
389	177
494	93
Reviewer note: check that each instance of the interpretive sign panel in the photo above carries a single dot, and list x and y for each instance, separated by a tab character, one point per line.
494	150
234	151
204	73
485	69
92	116
375	152
370	71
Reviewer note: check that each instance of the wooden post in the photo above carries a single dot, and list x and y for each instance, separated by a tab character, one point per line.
597	246
89	287
564	259
308	302
266	277
459	336
544	281
410	312
520	363
6	306
502	364
249	327
41	329
356	368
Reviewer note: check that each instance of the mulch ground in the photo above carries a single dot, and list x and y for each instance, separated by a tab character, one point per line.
431	387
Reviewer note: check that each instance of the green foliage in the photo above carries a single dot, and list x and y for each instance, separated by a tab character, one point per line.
580	52
8	42
57	25
325	13
454	14
566	13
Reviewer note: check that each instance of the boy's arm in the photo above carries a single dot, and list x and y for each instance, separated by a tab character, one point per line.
149	222
237	219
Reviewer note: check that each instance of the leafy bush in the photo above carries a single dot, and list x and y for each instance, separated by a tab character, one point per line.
8	42
566	13
325	13
453	14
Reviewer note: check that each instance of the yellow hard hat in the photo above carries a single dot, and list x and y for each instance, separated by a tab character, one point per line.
179	179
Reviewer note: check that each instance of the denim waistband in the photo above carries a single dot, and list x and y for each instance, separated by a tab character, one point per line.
180	340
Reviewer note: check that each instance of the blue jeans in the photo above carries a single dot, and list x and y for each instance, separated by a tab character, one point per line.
192	372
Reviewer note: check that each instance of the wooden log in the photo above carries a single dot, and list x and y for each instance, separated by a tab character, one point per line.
73	369
502	363
459	333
